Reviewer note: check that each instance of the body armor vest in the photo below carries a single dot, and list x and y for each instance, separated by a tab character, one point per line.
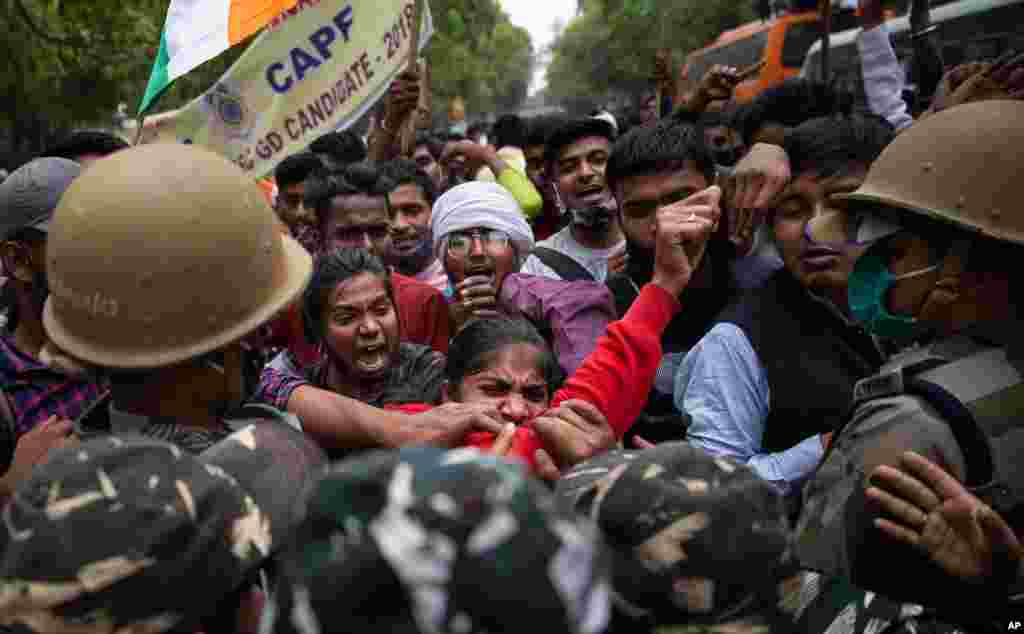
981	396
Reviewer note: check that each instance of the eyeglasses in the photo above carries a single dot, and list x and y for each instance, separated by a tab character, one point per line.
460	244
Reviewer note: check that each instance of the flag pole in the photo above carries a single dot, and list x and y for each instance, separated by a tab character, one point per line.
408	138
826	31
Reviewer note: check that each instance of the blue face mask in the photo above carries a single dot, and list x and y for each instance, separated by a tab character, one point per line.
866	289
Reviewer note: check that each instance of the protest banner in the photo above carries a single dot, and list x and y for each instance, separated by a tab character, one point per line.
318	67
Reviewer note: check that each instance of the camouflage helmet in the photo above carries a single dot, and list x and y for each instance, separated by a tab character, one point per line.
162	253
958	166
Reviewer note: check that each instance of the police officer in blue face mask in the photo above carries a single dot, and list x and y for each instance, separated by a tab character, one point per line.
949	281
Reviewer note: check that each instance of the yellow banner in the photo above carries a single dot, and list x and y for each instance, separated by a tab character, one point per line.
317	68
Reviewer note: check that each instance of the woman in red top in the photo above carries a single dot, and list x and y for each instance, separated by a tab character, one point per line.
507	364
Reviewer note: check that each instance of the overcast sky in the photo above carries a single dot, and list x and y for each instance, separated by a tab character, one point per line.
537	17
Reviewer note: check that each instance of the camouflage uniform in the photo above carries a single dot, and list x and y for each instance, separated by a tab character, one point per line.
958	402
701	543
129	534
420	540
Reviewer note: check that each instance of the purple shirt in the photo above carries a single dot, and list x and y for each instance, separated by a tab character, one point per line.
576	312
36	392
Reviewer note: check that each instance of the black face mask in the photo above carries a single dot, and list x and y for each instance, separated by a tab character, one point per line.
595	217
727	157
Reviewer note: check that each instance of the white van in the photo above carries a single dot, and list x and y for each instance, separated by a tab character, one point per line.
970	30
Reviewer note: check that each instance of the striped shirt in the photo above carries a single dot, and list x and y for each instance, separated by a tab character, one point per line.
36	392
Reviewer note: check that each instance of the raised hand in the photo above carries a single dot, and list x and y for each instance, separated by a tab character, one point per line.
759	177
682	234
401	99
933	512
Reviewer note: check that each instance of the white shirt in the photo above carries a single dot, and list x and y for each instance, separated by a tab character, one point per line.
593	260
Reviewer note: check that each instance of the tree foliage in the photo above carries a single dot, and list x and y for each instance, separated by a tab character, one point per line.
608	50
71	62
478	54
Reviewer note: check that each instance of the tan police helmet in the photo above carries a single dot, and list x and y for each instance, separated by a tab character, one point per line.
164	252
960	166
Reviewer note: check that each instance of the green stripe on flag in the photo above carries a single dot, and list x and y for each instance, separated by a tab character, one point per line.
158	79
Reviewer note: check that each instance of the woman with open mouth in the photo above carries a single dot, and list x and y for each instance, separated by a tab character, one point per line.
349	312
505	363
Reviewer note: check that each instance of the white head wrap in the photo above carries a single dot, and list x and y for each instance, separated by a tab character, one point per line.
479	204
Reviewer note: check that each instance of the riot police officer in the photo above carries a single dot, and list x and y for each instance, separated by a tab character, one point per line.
948	280
159	260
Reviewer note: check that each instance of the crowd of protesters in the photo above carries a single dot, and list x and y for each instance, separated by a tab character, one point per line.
740	368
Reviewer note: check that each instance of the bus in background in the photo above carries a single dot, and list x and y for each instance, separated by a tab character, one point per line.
780	43
969	30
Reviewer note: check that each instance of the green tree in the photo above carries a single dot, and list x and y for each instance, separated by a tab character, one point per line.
478	54
73	61
608	50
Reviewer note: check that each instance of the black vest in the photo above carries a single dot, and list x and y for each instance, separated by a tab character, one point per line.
700	305
811	356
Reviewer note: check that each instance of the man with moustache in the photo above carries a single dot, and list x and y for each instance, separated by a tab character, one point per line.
411	200
576	156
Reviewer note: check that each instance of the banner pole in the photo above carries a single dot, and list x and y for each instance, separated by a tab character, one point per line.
408	138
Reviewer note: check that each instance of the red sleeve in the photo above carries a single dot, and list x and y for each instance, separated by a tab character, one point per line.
523	447
422	312
617	376
439	321
410	408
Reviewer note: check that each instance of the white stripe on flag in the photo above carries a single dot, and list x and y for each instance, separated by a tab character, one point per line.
197	30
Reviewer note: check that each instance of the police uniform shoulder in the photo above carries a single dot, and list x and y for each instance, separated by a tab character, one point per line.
890	379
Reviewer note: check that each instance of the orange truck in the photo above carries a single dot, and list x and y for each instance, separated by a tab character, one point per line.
778	44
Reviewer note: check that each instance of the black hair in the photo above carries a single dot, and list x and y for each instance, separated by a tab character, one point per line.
333	268
829	145
541	127
342	148
476	128
348	180
84	142
713	119
660	147
9	296
433	143
509	130
475	346
791	103
296	169
405	172
572	131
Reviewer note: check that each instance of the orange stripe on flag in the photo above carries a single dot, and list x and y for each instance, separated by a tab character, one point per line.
245	17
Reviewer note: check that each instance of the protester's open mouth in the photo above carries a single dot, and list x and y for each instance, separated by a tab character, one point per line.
405	246
373	358
593	195
819	258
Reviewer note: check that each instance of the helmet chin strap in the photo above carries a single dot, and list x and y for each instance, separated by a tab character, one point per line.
944	296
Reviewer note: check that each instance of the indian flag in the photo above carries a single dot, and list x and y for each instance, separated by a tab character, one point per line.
198	30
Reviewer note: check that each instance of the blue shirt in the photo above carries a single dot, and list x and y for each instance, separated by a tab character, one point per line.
722	385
